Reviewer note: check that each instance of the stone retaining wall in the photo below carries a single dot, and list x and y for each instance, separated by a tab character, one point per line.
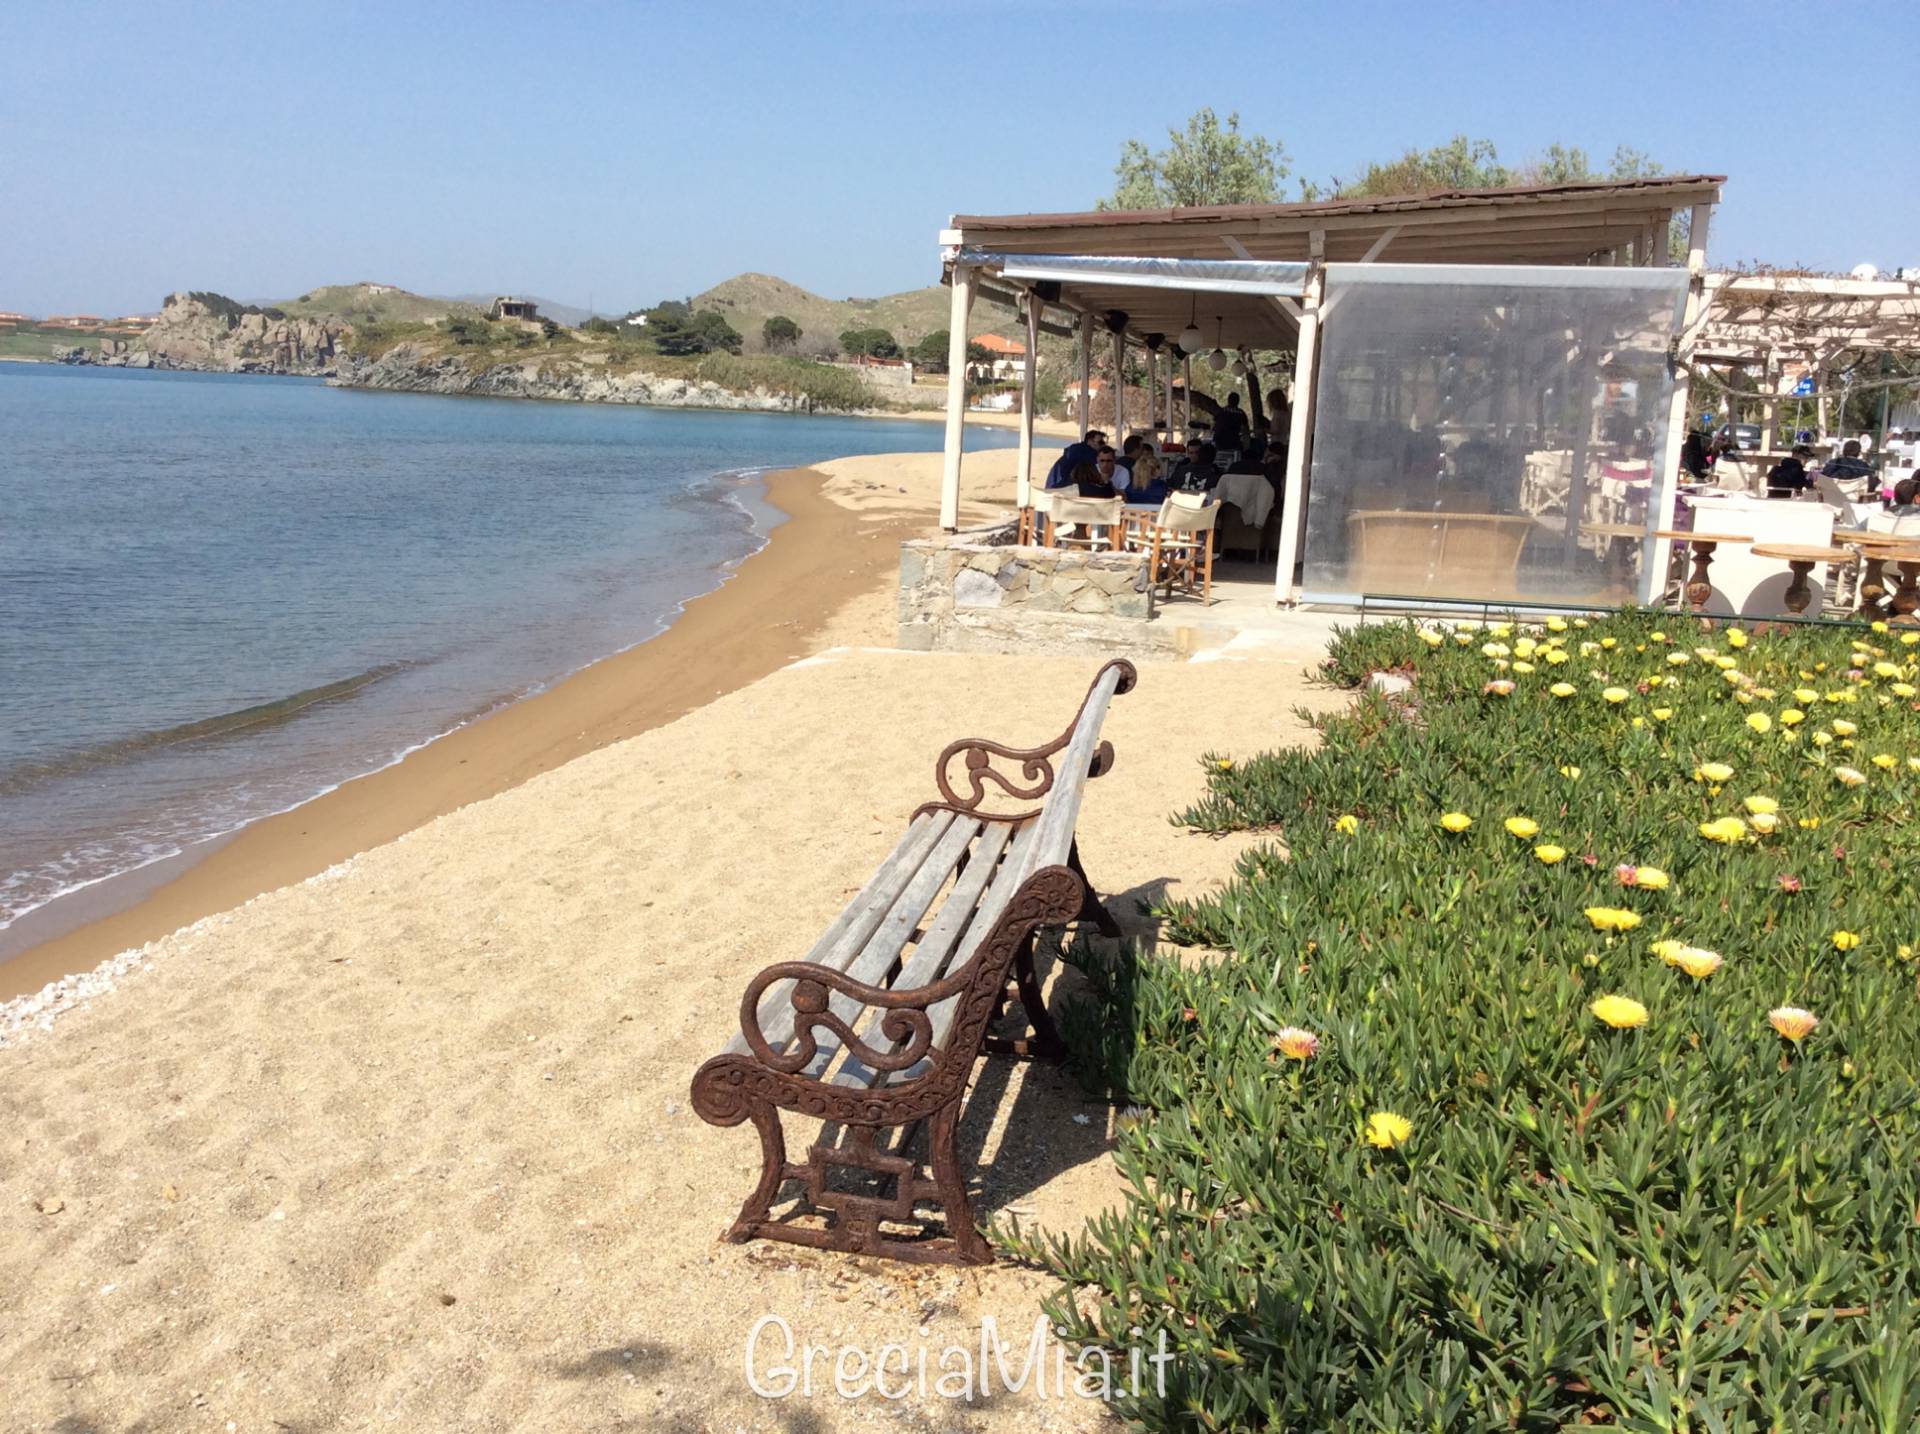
976	592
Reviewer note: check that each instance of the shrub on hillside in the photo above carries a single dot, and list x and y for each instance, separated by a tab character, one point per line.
1508	1122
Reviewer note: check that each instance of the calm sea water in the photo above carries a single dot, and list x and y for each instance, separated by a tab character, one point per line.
222	595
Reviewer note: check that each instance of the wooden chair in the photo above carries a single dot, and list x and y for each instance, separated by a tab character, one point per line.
1090	523
877	1029
1179	545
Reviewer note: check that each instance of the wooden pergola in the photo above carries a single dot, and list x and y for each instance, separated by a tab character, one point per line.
1766	321
1253	277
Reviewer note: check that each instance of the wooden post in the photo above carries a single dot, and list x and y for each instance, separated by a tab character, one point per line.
1186	401
1666	473
1293	523
1153	393
1166	434
1086	373
1119	389
963	292
1023	475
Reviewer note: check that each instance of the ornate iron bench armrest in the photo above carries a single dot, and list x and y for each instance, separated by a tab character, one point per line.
906	1019
1035	777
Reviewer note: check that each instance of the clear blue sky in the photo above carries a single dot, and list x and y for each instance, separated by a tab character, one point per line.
633	152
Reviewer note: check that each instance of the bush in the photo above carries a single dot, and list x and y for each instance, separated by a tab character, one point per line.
1692	1224
823	385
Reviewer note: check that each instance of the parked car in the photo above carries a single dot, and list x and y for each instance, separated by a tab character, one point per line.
1746	436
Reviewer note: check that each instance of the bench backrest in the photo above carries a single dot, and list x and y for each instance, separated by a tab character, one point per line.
1053	836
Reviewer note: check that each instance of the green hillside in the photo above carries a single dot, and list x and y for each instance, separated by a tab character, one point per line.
355	304
748	300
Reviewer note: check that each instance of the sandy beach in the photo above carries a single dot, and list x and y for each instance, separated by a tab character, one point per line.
396	1133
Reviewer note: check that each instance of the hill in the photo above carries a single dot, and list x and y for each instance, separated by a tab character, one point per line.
572	315
748	300
359	303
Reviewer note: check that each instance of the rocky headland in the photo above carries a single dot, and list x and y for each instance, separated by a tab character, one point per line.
420	368
212	333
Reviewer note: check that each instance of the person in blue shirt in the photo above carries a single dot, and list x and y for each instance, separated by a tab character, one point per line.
1075	455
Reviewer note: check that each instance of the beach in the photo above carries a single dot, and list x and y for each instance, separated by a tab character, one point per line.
396	1132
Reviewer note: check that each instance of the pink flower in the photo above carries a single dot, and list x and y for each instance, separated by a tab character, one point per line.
1626	873
1787	881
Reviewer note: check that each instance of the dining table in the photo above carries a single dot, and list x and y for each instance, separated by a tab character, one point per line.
1700	547
1800	559
1876	550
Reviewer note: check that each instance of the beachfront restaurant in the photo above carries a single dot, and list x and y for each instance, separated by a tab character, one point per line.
1488	388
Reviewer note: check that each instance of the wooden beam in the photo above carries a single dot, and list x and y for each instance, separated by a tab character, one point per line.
963	286
1086	372
1293	520
1666	473
1119	387
1378	247
1023	474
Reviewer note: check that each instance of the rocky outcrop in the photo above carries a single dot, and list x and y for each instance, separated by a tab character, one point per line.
211	333
411	368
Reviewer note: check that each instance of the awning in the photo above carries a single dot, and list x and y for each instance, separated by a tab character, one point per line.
1206	276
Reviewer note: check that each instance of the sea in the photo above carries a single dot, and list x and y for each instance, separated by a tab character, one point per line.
223	595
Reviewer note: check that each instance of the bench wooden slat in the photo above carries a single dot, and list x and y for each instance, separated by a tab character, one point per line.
882	950
1056	823
844	939
937	944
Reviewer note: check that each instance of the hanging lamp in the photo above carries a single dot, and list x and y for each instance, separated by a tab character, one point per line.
1217	360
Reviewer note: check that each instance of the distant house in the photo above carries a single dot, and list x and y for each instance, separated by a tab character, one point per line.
7	316
638	321
72	321
1008	359
508	307
380	288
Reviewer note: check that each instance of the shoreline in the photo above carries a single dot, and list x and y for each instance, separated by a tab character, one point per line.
821	556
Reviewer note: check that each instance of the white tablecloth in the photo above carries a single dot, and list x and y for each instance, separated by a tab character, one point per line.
1251	493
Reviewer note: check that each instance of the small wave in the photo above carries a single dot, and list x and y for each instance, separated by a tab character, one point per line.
24	775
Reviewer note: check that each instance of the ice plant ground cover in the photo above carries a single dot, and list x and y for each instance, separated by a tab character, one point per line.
1630	1184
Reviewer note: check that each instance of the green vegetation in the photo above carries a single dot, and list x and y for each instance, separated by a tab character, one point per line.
231	309
32	342
822	384
747	301
356	305
1520	1124
677	328
1208	163
869	343
780	334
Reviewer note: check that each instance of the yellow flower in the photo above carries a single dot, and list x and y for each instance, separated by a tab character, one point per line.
1493	649
1431	638
1849	776
1792	717
1225	764
1499	687
1570	772
1885	761
1878	626
1609	642
1910	638
1761	806
1902	689
1612	918
1656	637
1296	1044
1845	940
1526	828
1556	624
1766	823
1346	825
1712	772
1844	729
1386	1130
1811	824
1724	829
1792	1022
1805	695
1549	853
1615	695
1523	668
1555	656
1621	1012
1821	739
1885	669
1904	951
1563	689
1661	714
1696	962
1651	878
1736	638
1760	722
1668	950
1678	659
1525	647
1456	822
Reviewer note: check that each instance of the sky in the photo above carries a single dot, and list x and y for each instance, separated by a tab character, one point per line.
619	154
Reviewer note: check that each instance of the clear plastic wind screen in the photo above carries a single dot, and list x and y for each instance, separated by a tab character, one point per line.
1476	430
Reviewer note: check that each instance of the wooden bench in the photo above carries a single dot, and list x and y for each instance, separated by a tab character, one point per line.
877	1029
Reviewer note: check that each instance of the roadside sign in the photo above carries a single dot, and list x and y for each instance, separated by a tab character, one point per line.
1804	388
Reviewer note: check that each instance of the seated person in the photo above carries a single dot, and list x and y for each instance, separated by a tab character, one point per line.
1088	482
1251	460
1788	477
1130	450
1074	456
1906	498
1849	470
1148	486
1275	467
1185	461
1109	477
1695	461
1199	476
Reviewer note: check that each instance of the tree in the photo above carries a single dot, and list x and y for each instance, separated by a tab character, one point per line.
1460	163
932	350
780	334
869	343
676	329
1207	164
